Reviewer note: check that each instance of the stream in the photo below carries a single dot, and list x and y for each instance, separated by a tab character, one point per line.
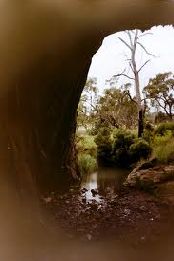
104	180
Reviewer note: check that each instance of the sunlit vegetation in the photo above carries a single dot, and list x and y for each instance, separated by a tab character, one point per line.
87	151
164	143
109	123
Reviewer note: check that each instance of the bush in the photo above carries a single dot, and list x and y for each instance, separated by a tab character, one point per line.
123	139
165	127
104	144
126	148
140	150
87	163
148	134
122	142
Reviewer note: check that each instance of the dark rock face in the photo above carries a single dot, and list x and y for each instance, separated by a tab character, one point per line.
43	71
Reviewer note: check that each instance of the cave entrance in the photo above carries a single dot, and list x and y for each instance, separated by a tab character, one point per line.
108	102
46	50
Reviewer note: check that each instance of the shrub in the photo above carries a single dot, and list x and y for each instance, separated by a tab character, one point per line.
122	142
165	127
148	133
123	150
123	139
104	144
140	150
87	163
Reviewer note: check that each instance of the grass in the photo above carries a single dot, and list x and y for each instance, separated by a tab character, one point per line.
163	148
87	163
86	144
87	153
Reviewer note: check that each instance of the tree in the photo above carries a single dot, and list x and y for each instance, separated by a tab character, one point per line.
160	91
132	43
88	103
117	109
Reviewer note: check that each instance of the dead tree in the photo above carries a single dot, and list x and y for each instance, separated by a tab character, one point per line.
132	43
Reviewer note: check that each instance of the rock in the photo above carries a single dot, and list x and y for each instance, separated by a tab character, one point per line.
143	208
83	190
89	236
47	200
84	200
94	192
127	211
149	177
148	164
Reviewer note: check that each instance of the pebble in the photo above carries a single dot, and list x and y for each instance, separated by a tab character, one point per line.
89	236
143	208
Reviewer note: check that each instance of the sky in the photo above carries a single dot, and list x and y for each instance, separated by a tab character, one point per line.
111	57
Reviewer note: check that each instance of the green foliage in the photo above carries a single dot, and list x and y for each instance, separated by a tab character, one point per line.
104	144
148	134
87	154
127	149
116	109
140	150
86	144
88	104
123	139
161	117
160	91
87	163
164	148
121	150
165	127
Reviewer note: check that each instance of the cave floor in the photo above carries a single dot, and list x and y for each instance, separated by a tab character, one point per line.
131	216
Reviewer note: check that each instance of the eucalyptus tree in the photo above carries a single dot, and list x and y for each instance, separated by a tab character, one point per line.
160	92
132	42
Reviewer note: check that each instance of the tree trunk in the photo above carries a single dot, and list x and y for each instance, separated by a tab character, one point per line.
140	123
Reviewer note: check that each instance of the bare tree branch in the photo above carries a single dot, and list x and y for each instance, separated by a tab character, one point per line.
130	38
129	95
145	34
123	41
123	74
143	65
145	49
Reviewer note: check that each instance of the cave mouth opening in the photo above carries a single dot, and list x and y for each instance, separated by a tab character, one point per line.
110	75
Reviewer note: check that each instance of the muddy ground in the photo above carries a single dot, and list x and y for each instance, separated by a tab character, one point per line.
131	215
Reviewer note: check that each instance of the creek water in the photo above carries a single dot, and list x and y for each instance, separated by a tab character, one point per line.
104	180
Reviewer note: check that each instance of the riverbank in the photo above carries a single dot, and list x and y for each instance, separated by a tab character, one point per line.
132	216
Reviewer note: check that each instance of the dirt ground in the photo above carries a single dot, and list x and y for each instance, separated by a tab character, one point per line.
132	216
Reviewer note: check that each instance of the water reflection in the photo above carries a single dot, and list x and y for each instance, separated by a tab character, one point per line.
105	180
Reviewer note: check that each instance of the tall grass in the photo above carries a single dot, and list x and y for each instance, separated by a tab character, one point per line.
163	148
87	163
87	154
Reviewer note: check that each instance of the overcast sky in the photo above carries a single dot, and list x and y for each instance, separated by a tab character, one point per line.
111	56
